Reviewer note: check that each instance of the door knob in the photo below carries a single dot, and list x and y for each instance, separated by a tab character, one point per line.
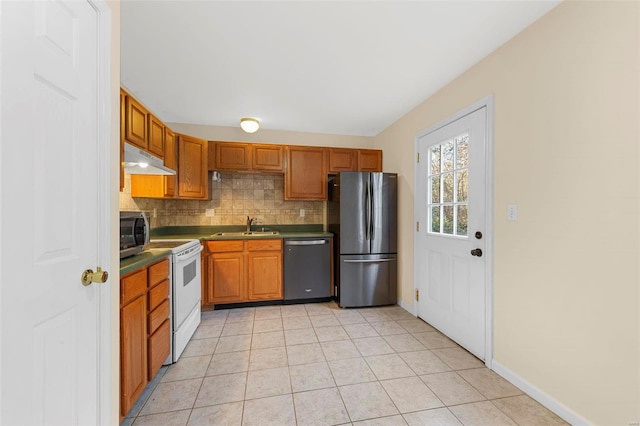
89	276
479	235
476	252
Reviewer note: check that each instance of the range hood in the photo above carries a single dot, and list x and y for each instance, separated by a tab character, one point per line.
139	162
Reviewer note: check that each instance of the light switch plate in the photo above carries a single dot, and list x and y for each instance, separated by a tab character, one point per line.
210	212
302	212
512	212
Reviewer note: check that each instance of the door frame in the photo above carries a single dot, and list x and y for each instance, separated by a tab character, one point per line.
488	104
108	362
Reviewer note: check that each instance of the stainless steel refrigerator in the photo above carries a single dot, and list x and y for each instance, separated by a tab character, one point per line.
362	213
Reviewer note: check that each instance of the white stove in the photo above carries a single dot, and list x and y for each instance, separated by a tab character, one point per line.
186	290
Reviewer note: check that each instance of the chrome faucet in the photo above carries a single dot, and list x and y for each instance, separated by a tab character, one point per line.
249	222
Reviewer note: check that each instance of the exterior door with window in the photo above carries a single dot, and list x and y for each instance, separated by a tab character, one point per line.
450	209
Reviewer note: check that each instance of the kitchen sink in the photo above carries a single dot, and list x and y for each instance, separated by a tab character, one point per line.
245	233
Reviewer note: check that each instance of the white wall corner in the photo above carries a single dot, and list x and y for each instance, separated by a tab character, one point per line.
543	398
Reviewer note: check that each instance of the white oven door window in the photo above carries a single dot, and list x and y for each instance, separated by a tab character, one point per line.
187	288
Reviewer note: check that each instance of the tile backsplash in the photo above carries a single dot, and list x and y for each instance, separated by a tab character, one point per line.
235	197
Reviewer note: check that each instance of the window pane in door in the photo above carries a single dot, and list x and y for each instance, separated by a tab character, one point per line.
462	152
462	186
461	220
435	189
435	219
435	160
447	156
447	187
447	225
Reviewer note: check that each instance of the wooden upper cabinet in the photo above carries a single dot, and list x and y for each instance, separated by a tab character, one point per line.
159	186
267	157
156	135
239	156
171	161
305	176
232	156
369	160
193	179
343	160
135	123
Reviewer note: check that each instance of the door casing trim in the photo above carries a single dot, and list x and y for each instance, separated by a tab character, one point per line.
105	359
488	103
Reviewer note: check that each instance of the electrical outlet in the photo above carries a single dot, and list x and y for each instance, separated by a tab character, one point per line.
155	212
512	212
302	212
210	212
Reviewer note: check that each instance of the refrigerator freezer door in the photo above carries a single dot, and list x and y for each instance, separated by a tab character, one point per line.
384	189
369	280
353	213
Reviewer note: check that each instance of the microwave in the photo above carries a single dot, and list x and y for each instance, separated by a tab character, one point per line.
134	233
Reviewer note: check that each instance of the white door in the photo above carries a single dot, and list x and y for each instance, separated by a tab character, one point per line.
450	243
54	219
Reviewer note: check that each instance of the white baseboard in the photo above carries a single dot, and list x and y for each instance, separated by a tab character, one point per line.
410	309
543	398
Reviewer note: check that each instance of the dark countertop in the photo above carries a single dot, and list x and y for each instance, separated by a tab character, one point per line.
147	257
207	233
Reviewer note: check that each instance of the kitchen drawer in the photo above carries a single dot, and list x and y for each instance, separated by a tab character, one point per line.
224	246
133	286
263	245
158	315
159	348
158	294
158	272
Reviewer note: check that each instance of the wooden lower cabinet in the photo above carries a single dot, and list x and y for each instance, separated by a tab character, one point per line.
145	332
158	349
264	269
225	277
243	270
133	353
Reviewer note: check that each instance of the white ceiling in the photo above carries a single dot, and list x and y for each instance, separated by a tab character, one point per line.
339	67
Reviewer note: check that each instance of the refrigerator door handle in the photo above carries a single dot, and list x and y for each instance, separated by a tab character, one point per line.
367	210
369	261
372	226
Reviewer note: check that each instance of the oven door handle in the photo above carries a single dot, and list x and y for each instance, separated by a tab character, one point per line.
191	254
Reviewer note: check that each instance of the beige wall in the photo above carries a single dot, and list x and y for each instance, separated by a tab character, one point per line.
219	133
115	220
566	282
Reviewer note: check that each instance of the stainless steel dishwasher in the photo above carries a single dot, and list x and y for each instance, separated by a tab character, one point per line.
307	268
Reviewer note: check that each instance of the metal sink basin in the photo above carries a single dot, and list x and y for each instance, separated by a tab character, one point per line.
258	233
244	233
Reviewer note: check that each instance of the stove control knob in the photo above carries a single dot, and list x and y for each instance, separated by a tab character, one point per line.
89	276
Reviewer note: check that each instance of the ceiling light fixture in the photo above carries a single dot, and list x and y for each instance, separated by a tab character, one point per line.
249	125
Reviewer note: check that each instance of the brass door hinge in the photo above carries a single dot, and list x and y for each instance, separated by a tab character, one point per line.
417	157
417	226
417	295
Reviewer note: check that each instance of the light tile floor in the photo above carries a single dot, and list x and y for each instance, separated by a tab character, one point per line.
317	364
